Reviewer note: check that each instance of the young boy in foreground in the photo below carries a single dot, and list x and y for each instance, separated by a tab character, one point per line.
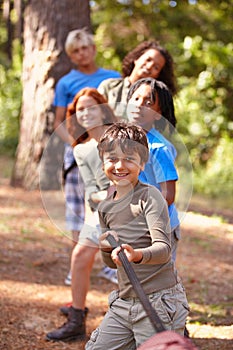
136	214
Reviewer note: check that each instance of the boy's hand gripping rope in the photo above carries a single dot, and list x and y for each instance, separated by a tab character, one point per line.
154	318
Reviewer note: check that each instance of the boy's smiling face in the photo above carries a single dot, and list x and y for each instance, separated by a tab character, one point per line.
122	168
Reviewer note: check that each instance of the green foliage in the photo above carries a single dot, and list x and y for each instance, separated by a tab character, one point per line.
129	22
10	102
202	117
203	108
106	54
198	34
216	179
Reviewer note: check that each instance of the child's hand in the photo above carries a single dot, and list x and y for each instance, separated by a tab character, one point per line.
115	257
132	254
104	245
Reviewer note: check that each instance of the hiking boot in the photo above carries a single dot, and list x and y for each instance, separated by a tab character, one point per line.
73	329
66	308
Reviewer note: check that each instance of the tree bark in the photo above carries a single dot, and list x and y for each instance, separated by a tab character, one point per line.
19	9
46	25
7	8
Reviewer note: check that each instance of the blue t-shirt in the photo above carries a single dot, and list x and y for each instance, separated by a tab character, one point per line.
160	167
70	84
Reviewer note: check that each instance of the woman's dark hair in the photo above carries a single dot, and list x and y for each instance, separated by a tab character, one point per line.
165	101
129	137
74	128
167	73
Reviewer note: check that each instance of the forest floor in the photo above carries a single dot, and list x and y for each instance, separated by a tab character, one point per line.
34	260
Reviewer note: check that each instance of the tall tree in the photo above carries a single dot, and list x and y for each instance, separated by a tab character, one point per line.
46	25
7	7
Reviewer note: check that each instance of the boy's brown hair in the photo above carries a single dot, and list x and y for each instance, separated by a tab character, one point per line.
129	137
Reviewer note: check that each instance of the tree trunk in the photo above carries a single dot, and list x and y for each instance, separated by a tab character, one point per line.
7	8
19	9
46	26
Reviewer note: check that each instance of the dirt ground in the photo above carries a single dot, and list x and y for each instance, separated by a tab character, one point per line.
34	259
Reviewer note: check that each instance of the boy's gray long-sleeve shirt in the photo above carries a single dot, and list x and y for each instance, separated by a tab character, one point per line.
141	219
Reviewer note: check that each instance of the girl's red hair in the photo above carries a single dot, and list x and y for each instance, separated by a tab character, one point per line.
76	130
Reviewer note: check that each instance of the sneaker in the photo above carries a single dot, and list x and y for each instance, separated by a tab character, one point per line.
68	279
109	274
66	308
